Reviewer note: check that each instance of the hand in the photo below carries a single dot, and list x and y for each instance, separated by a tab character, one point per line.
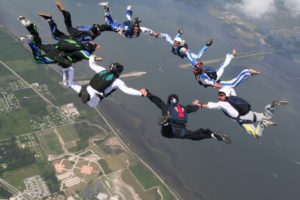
216	86
98	58
155	34
197	103
119	31
144	92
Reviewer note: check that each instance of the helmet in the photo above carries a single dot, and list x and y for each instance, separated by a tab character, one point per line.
225	91
96	29
116	68
198	67
137	21
173	98
178	39
89	46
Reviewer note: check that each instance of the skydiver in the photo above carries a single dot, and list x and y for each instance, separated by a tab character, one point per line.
104	82
180	47
129	28
64	52
240	110
208	76
175	118
79	33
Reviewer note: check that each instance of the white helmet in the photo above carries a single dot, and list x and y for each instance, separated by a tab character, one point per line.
227	91
178	39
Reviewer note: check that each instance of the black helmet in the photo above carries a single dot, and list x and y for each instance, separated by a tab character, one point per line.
137	20
89	46
96	29
116	68
173	98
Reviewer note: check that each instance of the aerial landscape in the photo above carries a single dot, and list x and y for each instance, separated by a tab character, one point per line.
55	147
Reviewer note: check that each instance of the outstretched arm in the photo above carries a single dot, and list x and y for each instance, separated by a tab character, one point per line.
167	38
127	90
149	31
93	65
156	100
192	108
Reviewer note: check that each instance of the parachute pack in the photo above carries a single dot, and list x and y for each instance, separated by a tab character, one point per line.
241	105
177	114
211	72
102	80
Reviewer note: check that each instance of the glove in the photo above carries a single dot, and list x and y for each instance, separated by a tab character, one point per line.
209	42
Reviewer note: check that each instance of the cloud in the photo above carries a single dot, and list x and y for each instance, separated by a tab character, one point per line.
263	8
293	6
255	8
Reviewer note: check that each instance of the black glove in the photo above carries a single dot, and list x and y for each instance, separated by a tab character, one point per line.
209	42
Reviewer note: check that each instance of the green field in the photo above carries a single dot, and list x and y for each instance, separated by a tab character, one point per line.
27	93
86	131
68	133
14	123
145	195
117	162
15	177
144	175
104	165
148	180
50	143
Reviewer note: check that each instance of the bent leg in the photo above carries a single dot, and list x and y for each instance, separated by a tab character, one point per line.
108	18
198	134
267	114
68	75
56	33
38	57
200	53
191	57
256	132
241	77
227	61
76	87
129	13
68	21
36	37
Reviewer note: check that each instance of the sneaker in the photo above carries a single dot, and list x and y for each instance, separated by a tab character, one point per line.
24	21
105	6
234	52
60	5
253	72
209	42
221	137
46	16
25	38
127	8
180	31
279	102
105	3
267	122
